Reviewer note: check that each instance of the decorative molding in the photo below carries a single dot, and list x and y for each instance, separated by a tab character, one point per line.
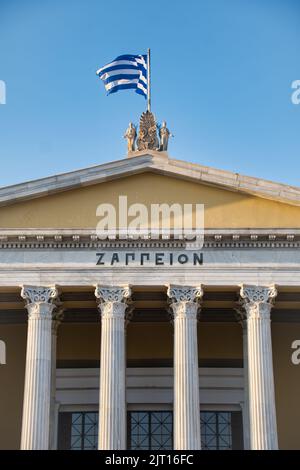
87	239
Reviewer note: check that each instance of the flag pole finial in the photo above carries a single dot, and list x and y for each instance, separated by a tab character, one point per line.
148	82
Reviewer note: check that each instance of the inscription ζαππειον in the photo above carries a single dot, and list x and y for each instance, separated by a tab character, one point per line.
111	258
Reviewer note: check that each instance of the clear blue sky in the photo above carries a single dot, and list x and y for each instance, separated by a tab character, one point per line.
221	78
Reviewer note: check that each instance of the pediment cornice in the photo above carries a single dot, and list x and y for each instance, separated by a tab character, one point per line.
156	162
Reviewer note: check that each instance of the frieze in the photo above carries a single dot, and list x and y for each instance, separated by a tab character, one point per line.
85	240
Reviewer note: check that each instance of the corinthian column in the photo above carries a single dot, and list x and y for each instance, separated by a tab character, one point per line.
112	403
185	303
37	392
257	303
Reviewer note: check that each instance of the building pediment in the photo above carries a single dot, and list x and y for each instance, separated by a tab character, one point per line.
156	162
69	201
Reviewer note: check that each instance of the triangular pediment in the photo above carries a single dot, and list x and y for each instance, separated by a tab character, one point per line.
70	200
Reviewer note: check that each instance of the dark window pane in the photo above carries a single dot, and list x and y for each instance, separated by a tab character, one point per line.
150	430
216	430
78	431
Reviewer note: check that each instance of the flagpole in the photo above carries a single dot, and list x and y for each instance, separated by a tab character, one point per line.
148	82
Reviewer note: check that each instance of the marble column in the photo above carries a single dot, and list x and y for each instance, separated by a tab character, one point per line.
113	301
256	302
37	392
185	303
56	321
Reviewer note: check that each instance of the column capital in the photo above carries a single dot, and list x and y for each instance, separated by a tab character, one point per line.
113	300
256	301
112	293
178	293
40	300
39	294
185	300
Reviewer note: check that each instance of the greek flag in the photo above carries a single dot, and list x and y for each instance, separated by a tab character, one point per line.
125	72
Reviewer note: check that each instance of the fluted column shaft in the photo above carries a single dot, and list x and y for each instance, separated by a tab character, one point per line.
185	306
246	417
112	401
257	302
37	391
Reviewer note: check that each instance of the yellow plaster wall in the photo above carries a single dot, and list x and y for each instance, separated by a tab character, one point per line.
287	384
12	385
77	208
220	341
149	341
78	341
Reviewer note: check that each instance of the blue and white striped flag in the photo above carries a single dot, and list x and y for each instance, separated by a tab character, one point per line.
125	72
